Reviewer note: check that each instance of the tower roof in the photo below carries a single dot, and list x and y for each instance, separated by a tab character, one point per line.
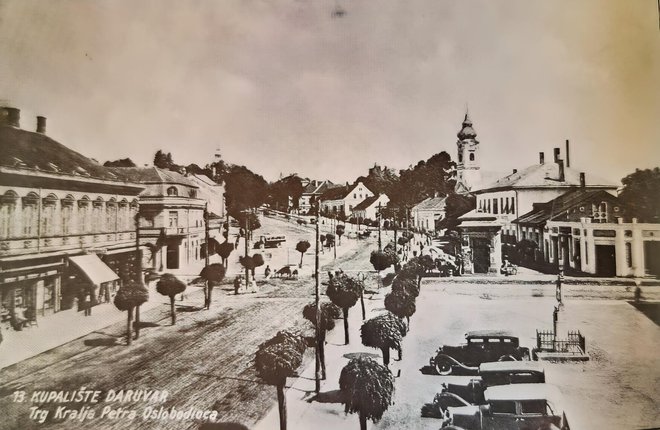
467	132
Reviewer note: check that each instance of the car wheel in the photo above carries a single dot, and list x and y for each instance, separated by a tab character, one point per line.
443	367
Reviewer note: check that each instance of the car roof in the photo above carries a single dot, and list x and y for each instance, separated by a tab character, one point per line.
526	392
511	366
489	333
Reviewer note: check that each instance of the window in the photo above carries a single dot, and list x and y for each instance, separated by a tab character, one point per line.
355	195
172	191
98	217
7	213
84	225
471	156
67	212
488	206
535	407
48	215
111	216
460	157
629	254
495	206
173	219
30	203
503	407
599	212
513	205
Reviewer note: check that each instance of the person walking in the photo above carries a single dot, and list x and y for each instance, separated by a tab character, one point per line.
237	284
267	272
88	304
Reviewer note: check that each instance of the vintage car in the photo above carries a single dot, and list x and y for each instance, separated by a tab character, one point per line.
516	407
481	347
270	241
490	374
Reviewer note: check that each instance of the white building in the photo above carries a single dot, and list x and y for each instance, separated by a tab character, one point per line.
369	207
427	212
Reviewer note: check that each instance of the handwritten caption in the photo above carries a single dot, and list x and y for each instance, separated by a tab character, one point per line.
87	404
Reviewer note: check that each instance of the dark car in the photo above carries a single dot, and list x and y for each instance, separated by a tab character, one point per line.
481	347
490	374
519	407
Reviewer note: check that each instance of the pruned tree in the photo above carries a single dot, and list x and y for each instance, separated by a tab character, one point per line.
257	261
380	260
401	304
327	315
344	291
224	250
380	333
277	359
339	230
169	285
302	248
248	264
128	297
329	240
367	388
405	285
213	274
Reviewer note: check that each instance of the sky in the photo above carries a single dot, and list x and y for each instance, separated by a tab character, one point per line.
286	86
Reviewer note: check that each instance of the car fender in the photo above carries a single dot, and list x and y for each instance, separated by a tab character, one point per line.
445	399
454	362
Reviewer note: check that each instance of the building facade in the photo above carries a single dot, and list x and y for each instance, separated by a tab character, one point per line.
343	200
67	224
426	213
370	207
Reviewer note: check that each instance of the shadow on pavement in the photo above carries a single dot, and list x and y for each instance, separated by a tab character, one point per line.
333	396
144	324
352	355
651	310
101	341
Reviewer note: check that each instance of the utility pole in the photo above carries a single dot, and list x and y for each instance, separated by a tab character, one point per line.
317	298
247	271
395	244
334	234
207	289
380	248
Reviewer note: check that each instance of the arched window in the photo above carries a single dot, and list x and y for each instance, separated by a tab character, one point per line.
98	217
172	191
84	213
8	214
67	214
471	156
30	208
48	207
124	215
111	215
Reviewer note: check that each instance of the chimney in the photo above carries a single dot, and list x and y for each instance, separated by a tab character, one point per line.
541	158
10	116
568	154
41	124
583	182
556	153
515	170
562	177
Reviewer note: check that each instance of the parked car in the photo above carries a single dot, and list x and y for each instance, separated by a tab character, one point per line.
481	347
490	374
270	241
519	407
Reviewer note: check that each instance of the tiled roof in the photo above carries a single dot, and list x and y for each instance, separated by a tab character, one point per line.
152	175
318	187
557	207
364	204
431	203
36	151
335	193
544	176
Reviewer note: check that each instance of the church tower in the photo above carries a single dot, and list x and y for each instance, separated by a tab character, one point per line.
468	174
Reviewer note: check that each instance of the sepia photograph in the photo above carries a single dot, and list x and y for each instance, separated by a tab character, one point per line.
329	214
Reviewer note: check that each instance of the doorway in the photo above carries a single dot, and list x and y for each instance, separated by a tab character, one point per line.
605	260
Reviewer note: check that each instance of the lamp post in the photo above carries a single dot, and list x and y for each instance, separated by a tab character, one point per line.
317	369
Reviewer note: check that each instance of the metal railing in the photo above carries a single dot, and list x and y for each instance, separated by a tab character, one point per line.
546	340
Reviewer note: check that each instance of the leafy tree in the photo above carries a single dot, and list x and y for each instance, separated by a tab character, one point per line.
285	193
253	221
169	285
379	333
248	264
367	388
340	231
257	261
380	260
329	240
302	248
244	189
405	285
401	304
327	315
122	162
277	359
344	291
224	250
164	161
128	297
641	194
213	274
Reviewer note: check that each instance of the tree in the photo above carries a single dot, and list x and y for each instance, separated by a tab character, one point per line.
224	249
327	315
344	291
128	297
367	388
243	190
253	222
164	161
285	193
329	240
302	248
405	285
213	274
379	333
248	264
257	261
641	191
169	285
401	304
380	260
340	231
277	359
122	162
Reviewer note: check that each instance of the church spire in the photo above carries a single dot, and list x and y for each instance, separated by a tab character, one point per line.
467	131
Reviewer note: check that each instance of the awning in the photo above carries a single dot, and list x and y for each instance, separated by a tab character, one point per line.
95	269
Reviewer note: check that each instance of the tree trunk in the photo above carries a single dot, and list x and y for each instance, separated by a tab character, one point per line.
400	349
386	356
301	257
363	421
129	331
136	326
210	295
172	311
281	402
346	339
321	346
364	312
408	325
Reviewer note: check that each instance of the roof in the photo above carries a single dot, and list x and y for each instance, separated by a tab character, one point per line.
94	268
557	207
526	392
318	187
336	193
544	176
491	333
431	203
467	132
203	179
152	175
29	150
364	204
511	366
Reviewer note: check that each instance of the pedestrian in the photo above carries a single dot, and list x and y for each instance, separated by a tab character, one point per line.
237	284
267	272
558	286
88	304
